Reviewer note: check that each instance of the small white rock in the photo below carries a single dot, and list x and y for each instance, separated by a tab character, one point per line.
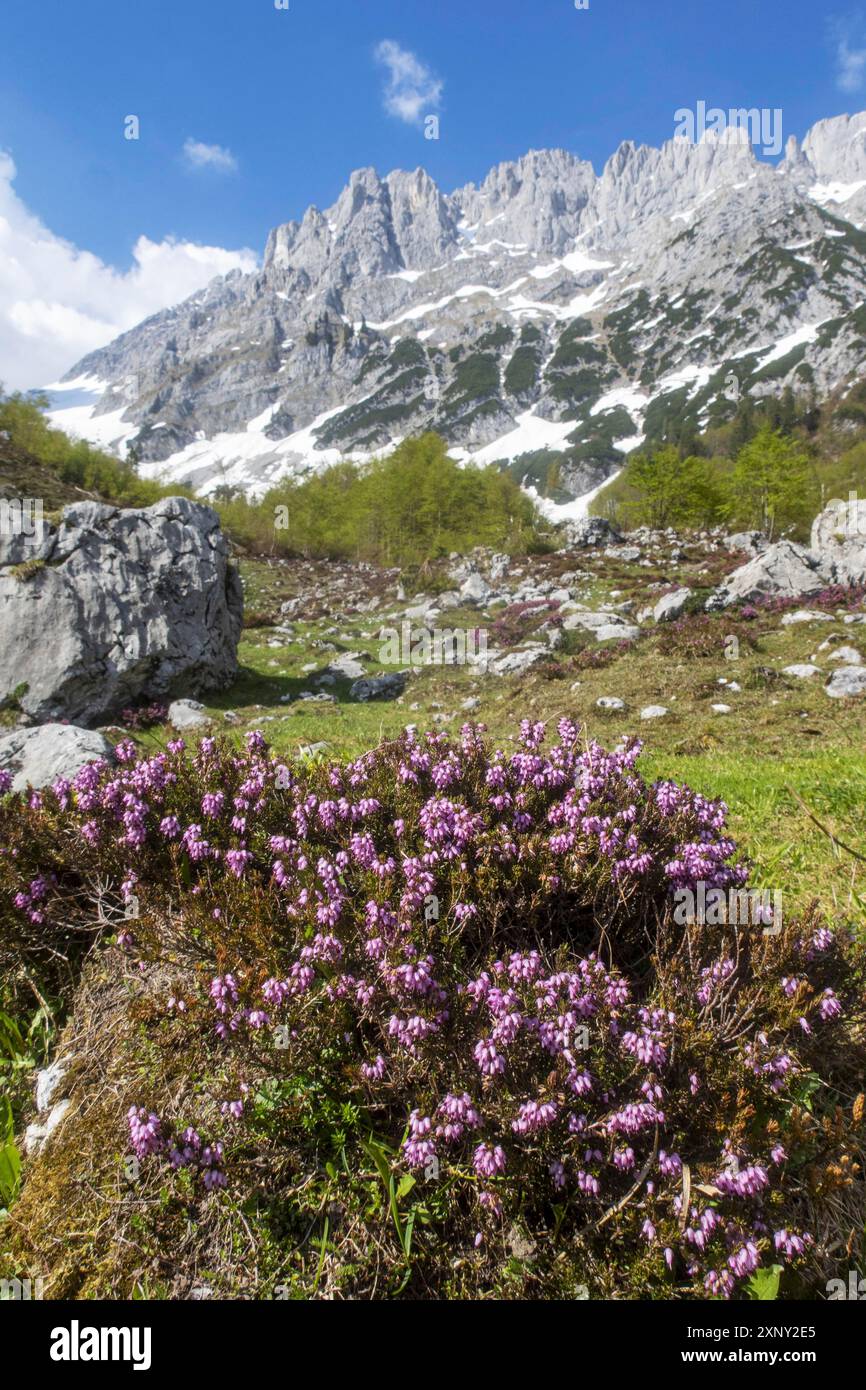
654	712
806	615
801	671
848	655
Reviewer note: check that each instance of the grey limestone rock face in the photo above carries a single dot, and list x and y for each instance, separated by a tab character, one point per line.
547	294
121	605
839	540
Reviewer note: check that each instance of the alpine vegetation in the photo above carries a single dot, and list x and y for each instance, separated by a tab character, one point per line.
433	1003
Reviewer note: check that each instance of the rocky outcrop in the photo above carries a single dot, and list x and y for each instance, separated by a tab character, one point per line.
112	606
837	555
591	531
671	606
784	570
548	295
839	540
38	757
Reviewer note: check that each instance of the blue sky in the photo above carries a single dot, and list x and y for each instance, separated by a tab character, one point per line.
276	107
296	96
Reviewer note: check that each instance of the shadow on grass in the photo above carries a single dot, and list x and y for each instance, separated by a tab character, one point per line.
254	688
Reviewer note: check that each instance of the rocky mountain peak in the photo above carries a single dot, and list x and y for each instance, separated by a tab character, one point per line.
546	318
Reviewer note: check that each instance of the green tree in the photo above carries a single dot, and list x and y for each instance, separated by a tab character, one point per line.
668	490
774	487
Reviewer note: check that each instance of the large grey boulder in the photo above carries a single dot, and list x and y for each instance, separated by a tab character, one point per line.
518	661
385	687
839	541
591	531
118	606
38	757
591	621
753	542
475	591
784	570
671	606
617	632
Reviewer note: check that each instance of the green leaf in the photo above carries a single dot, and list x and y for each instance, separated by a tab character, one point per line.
764	1284
11	1041
10	1173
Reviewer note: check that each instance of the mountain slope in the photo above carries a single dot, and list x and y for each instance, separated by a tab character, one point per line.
546	318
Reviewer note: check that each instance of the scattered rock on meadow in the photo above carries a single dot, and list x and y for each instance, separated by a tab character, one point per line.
847	682
806	615
654	712
514	663
610	702
475	591
384	687
849	656
347	666
801	671
589	621
752	542
671	606
187	714
627	553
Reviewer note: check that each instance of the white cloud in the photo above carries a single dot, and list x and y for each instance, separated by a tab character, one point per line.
850	52
201	156
58	302
412	91
850	66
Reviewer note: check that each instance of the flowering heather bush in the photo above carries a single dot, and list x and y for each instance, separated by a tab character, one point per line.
699	634
519	620
832	596
597	658
143	716
453	973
